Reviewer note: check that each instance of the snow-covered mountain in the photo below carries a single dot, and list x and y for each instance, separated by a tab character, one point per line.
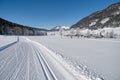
109	17
57	28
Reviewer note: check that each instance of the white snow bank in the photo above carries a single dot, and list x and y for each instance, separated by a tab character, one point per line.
5	40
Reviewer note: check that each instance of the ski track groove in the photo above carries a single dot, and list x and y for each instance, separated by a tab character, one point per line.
44	71
47	71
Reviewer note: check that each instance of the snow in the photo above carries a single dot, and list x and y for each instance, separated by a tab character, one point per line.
56	58
30	60
62	27
116	13
92	23
116	30
104	20
103	31
96	20
98	55
119	8
4	40
65	27
107	30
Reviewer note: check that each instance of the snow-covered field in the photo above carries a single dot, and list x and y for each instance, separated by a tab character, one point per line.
56	58
99	55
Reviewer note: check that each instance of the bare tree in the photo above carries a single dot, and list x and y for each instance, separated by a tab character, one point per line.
88	34
72	32
101	33
111	34
78	32
61	32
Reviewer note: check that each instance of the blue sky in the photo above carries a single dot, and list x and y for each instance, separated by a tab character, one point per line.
50	13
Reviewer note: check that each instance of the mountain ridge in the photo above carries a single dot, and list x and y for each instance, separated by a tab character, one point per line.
108	17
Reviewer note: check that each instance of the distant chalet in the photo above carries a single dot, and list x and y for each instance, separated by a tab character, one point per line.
9	28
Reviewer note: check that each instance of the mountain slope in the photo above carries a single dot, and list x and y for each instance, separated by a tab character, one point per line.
10	28
109	17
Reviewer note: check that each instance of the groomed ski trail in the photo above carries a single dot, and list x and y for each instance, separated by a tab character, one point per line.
26	60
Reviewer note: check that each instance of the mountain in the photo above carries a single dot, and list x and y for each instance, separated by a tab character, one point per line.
109	17
57	28
10	28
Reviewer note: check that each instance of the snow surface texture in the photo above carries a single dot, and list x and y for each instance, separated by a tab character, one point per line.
30	60
4	40
97	56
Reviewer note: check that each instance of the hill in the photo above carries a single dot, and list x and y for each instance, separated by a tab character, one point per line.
109	17
10	28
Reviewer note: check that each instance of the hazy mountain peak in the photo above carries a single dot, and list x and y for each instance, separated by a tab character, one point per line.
59	27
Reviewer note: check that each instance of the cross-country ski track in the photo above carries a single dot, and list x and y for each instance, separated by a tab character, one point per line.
29	60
